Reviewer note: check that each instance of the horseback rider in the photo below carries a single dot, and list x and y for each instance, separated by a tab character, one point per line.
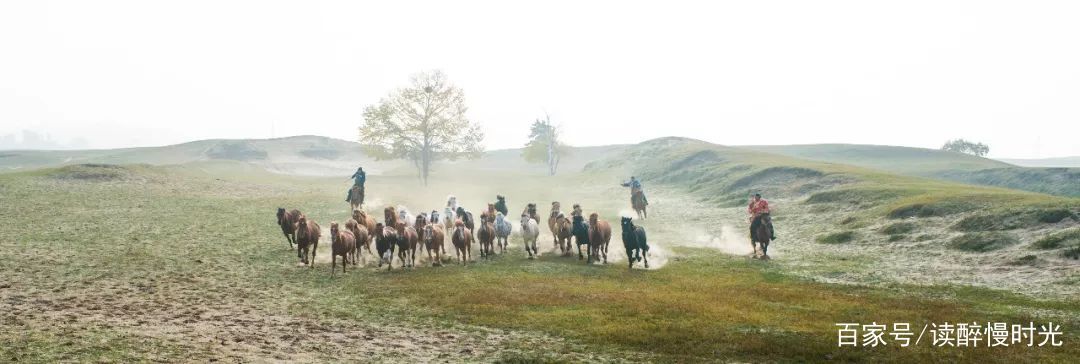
358	181
635	185
759	212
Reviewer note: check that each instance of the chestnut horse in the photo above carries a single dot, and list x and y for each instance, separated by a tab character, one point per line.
436	219
342	243
486	235
307	236
390	217
462	238
470	223
360	233
368	222
530	231
562	234
633	239
433	240
287	221
408	242
553	218
599	237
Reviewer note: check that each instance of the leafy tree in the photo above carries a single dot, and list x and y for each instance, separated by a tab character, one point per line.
964	146
544	145
423	123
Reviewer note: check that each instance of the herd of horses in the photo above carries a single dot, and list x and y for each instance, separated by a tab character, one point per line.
402	234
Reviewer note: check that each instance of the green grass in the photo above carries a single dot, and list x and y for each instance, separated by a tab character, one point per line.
1013	219
982	242
898	228
1059	239
836	238
202	236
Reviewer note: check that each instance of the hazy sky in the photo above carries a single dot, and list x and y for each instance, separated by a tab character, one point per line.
912	73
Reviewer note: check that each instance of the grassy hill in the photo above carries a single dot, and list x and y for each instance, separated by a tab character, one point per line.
938	164
1060	162
899	160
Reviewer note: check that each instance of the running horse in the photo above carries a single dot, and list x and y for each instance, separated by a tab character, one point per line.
356	197
637	199
761	236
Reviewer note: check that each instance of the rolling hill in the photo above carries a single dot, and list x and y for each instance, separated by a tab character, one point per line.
932	163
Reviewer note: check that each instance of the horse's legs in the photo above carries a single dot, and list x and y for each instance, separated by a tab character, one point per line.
645	254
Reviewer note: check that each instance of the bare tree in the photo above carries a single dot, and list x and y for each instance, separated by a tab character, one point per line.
423	123
544	145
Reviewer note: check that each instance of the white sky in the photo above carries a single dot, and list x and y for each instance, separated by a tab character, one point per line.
911	73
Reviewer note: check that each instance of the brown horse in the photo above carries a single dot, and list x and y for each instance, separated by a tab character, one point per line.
433	240
467	218
599	237
563	228
287	221
637	199
307	236
356	197
553	219
360	233
390	216
761	236
368	222
342	243
489	215
462	239
487	239
411	241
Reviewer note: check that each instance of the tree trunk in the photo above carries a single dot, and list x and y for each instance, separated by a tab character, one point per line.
425	165
551	157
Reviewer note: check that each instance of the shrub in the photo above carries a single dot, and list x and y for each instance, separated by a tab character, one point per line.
982	242
1073	253
90	172
1025	260
1053	216
1054	241
239	151
1008	220
899	228
940	208
837	238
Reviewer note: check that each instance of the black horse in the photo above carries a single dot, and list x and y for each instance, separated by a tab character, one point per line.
580	230
633	238
500	205
386	238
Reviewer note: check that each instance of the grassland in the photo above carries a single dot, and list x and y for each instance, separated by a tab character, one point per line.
186	263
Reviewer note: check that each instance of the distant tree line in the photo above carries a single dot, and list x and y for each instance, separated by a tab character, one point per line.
964	146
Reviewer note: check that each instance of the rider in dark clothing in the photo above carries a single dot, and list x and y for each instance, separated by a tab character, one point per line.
358	180
635	184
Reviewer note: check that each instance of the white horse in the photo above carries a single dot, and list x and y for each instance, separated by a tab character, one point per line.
450	212
406	217
502	231
530	231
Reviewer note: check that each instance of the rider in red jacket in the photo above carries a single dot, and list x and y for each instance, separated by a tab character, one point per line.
759	210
